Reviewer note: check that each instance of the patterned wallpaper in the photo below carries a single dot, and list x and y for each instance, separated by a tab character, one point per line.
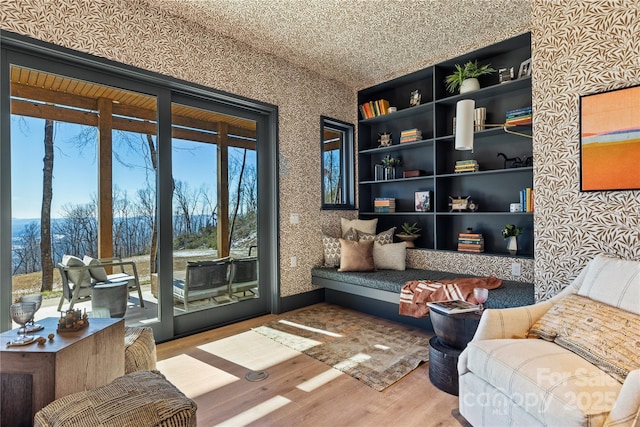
579	48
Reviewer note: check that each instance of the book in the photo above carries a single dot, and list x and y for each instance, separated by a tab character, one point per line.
453	306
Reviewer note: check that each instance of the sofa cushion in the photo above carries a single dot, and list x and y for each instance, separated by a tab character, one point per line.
554	385
79	277
392	256
604	335
613	281
98	273
356	256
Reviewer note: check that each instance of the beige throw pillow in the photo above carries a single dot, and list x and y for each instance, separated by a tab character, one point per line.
356	256
383	238
331	247
78	277
391	256
365	225
98	273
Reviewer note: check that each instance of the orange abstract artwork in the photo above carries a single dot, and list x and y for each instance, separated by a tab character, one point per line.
610	140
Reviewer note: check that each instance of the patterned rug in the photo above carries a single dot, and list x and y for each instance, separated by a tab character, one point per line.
372	350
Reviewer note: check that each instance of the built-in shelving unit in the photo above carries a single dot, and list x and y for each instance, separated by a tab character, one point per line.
493	187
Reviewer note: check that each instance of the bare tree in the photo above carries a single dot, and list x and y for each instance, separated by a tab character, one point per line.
45	213
238	196
28	253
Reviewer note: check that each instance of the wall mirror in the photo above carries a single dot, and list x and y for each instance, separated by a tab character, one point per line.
337	165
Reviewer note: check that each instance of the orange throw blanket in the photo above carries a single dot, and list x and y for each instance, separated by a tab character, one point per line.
416	293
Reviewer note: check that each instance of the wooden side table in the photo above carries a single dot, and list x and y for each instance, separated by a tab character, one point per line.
34	375
453	332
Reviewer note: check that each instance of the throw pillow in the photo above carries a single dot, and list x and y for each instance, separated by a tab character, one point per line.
366	225
391	256
383	238
600	333
331	247
356	256
98	273
613	281
79	277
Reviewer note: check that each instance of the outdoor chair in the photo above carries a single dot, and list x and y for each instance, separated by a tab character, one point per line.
204	280
79	276
244	276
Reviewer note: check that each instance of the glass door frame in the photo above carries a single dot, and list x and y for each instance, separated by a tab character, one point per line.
27	52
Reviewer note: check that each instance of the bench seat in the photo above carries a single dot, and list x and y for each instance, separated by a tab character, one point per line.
385	285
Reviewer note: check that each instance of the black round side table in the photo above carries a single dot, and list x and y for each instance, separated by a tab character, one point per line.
453	332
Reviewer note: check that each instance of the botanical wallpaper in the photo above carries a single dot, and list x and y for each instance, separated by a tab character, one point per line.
578	48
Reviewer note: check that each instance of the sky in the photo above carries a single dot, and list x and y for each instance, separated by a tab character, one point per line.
75	169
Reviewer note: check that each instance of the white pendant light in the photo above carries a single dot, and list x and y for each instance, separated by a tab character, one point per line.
464	124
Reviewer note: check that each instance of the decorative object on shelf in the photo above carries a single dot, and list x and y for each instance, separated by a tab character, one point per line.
378	172
463	203
525	68
519	116
390	164
479	118
385	139
466	166
31	325
72	320
609	135
505	74
422	201
511	233
410	135
470	242
464	124
409	233
515	207
412	173
466	77
481	295
416	98
391	110
384	205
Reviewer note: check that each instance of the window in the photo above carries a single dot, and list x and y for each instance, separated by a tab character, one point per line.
337	164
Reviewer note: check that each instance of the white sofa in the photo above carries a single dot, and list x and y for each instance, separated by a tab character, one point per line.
506	379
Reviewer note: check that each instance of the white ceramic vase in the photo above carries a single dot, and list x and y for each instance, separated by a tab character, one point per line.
512	245
469	85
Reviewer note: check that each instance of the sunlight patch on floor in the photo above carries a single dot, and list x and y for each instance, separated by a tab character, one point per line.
293	341
381	347
251	350
319	380
352	361
256	412
199	378
309	328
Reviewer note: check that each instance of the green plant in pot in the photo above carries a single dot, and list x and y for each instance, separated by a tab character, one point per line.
466	76
390	164
410	232
511	233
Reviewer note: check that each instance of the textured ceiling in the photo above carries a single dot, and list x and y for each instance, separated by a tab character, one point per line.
359	42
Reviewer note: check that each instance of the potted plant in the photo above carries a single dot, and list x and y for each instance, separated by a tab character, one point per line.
511	232
390	164
409	233
466	76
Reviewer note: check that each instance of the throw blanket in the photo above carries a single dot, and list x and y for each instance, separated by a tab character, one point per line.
416	293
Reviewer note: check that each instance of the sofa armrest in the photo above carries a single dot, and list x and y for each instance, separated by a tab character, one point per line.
626	409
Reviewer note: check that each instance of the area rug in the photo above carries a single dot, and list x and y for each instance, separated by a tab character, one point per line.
374	351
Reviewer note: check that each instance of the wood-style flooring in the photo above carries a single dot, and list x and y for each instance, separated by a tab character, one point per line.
299	391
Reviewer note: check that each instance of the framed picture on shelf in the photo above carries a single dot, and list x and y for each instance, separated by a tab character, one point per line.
610	140
525	68
416	98
423	201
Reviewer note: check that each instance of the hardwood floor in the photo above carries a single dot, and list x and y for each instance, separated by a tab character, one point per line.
299	389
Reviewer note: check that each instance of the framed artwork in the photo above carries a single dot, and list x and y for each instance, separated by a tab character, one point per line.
415	99
423	201
610	140
525	68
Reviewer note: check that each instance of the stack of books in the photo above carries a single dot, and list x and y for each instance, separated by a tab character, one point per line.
374	108
470	242
410	135
520	116
526	199
384	205
466	166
